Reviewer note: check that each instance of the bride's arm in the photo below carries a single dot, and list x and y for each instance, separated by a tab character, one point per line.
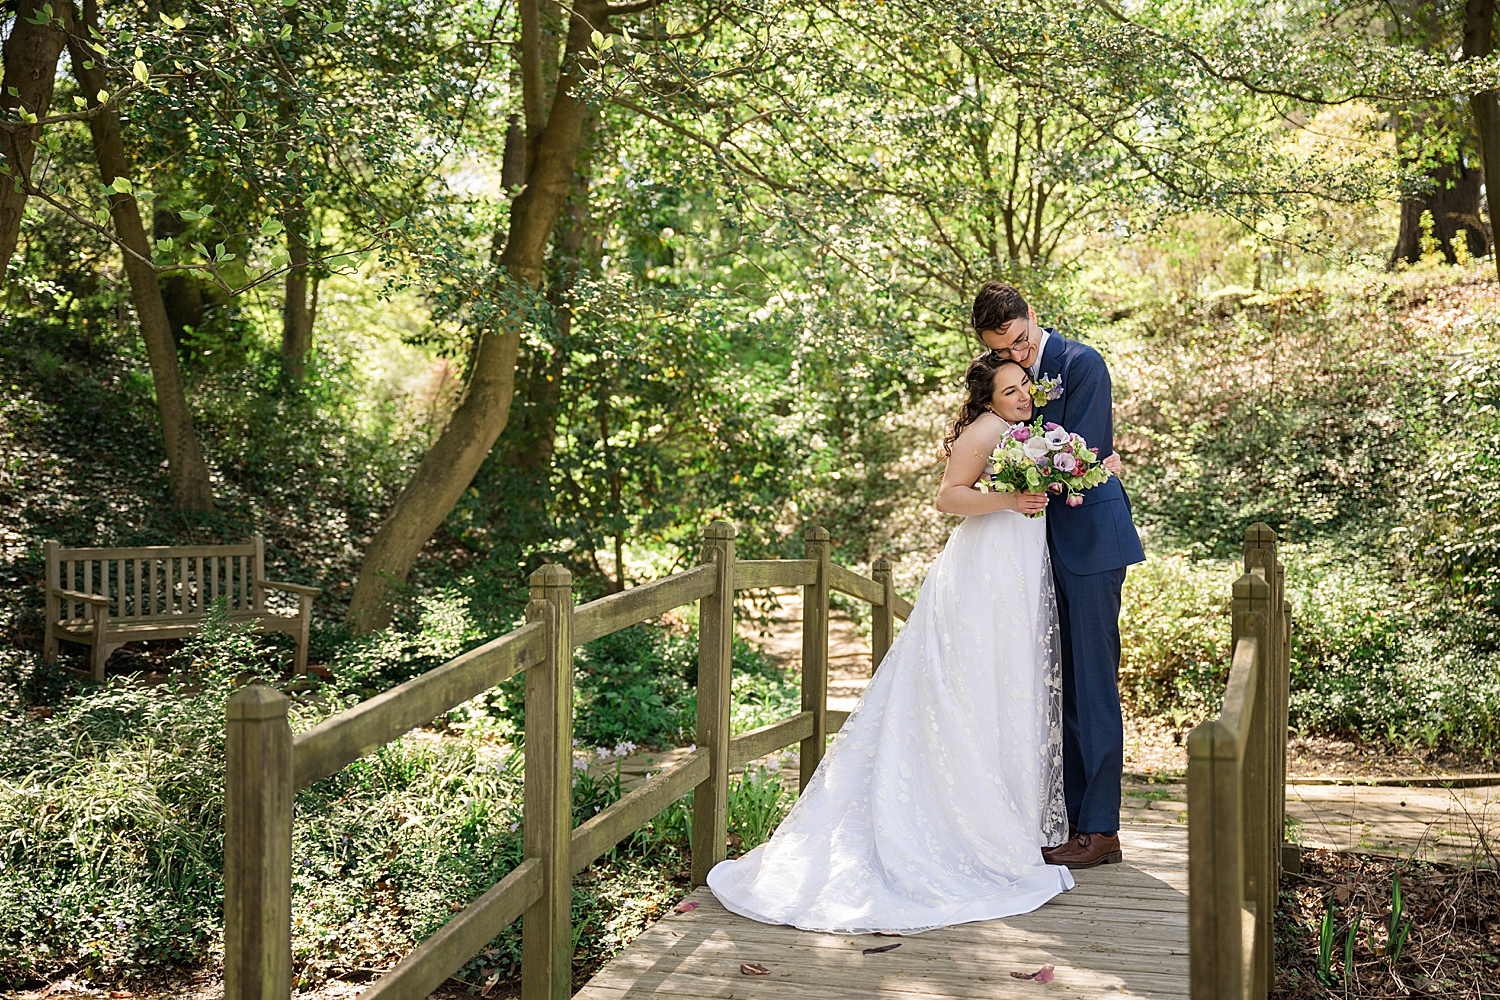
971	451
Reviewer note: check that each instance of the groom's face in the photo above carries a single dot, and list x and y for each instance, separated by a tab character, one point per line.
1016	340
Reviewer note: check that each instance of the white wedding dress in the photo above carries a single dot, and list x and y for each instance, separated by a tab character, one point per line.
935	800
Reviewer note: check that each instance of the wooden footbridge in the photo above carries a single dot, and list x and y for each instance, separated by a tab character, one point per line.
1188	914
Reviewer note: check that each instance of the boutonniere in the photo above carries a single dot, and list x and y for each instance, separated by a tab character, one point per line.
1045	390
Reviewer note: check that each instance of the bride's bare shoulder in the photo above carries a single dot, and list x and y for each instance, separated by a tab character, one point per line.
981	436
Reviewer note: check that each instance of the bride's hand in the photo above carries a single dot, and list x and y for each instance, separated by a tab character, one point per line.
1025	503
1112	463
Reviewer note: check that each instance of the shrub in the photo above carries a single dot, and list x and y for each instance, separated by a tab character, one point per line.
1174	636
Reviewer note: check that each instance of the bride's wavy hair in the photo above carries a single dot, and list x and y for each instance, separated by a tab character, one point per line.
979	381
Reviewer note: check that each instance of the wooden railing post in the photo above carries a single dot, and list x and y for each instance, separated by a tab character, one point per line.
546	930
1261	554
257	846
1216	881
815	653
1262	844
715	648
882	618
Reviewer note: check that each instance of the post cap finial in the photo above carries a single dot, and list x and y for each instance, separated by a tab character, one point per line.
256	702
552	575
718	529
1260	531
880	565
815	533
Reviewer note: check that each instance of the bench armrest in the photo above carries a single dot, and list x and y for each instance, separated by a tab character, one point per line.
78	595
291	588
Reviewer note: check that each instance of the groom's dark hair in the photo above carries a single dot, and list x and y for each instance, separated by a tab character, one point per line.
996	304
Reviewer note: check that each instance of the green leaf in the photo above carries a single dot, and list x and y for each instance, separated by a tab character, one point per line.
190	215
205	210
219	252
12	91
164	245
80	101
334	27
140	72
598	38
102	97
201	249
271	227
89	64
286	32
239	120
121	185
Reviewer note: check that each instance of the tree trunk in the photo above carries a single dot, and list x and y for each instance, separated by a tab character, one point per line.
450	465
187	472
1452	196
31	54
1479	41
296	315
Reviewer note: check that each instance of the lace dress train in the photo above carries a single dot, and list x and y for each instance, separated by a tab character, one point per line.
937	796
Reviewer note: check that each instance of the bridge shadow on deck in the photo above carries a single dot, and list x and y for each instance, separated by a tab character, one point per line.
1121	932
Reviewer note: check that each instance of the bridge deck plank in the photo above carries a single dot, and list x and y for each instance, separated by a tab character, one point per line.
1121	932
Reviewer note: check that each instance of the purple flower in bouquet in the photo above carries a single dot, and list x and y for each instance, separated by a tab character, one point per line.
1075	499
1021	434
1064	462
1050	426
1057	438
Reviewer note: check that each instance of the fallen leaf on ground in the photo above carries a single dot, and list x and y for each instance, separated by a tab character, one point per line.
687	906
1042	975
753	969
886	934
884	947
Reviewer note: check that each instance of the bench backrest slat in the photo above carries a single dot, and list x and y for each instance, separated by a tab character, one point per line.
159	581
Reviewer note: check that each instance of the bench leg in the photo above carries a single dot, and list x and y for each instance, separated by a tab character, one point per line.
100	651
304	629
49	646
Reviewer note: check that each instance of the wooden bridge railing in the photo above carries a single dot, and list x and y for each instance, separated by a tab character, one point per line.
1237	793
266	765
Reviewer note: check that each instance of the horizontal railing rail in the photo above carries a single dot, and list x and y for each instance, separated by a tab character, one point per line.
1237	793
266	765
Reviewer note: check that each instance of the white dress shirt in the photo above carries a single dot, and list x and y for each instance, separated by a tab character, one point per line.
1041	346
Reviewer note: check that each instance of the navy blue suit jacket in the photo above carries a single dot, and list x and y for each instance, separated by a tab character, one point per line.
1098	535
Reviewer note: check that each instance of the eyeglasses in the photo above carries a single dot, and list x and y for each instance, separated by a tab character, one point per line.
1018	343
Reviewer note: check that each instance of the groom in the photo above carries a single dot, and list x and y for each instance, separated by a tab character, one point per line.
1091	545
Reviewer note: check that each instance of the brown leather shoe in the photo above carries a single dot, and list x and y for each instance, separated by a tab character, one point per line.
1086	850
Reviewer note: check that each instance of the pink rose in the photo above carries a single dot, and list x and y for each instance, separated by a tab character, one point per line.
1021	433
1051	427
1075	500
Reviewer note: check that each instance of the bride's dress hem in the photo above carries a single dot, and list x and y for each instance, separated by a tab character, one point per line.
965	912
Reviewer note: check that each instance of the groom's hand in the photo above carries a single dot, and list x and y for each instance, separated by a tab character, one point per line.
1112	464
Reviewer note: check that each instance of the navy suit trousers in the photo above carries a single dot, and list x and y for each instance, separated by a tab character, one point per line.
1088	609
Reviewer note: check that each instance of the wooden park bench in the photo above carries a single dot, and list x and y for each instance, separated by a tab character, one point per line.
104	598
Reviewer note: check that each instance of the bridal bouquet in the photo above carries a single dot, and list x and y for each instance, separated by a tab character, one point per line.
1040	456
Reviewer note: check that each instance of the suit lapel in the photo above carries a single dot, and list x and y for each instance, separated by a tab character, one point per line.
1051	367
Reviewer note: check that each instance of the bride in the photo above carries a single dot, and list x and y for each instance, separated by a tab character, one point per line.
937	796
